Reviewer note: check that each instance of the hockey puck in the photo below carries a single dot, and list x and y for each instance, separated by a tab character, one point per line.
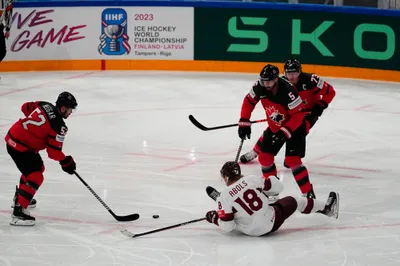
155	216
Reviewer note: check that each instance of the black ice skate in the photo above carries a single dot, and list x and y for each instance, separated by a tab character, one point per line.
21	216
249	156
332	205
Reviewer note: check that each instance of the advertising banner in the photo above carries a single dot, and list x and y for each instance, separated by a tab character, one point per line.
50	34
147	32
101	33
323	38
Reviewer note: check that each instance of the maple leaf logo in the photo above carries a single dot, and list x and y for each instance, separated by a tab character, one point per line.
274	114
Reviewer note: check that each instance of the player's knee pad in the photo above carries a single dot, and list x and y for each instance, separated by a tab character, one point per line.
265	159
35	180
257	146
292	162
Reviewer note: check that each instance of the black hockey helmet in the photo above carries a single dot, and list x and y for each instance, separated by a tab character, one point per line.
292	65
269	72
230	169
67	100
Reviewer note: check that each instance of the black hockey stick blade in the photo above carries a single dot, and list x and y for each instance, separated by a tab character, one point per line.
204	128
212	193
132	235
125	218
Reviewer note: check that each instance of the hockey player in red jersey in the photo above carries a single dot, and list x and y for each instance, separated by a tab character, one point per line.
286	124
42	128
316	94
243	205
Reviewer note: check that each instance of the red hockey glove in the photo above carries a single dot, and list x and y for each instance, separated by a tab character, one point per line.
212	217
244	128
68	165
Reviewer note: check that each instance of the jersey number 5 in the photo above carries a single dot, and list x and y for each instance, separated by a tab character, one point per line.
251	203
291	96
37	122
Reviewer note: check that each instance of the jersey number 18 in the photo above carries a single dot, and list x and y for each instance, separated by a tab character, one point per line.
251	203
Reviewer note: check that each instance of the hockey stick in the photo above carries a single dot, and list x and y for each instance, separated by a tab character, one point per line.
125	218
239	150
132	235
204	128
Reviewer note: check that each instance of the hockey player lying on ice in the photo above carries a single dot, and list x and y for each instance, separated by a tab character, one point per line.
244	206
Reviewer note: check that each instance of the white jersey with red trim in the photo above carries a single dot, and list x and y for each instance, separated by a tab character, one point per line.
244	205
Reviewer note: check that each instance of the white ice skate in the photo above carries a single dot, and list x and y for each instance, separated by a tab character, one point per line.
332	205
249	156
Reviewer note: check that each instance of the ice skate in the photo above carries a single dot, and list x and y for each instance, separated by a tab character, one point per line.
249	156
332	205
21	216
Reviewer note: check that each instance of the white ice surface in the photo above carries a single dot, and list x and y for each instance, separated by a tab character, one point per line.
133	143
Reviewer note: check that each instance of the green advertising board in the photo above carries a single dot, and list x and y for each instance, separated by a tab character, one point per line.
321	38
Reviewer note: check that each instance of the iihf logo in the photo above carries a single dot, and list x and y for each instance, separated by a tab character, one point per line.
114	32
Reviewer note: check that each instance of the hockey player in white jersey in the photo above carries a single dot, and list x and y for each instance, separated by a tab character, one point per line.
244	206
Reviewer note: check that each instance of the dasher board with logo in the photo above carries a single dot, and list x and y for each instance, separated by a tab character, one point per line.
102	33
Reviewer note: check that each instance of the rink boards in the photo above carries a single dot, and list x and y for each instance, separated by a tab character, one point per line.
185	36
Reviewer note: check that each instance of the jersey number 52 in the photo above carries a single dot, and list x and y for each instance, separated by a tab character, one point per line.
38	120
250	202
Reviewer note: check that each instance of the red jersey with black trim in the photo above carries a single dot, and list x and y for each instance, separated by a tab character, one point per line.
312	89
42	128
284	109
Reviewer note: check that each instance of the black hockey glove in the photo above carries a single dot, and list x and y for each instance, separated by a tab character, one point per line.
212	217
244	128
311	120
319	107
68	165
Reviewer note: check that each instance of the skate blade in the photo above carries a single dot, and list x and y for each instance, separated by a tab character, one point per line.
19	222
336	207
334	211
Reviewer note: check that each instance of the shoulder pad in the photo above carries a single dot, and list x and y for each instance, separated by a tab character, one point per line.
55	119
50	110
256	90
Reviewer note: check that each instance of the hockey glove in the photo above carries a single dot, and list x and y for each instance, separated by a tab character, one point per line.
319	107
212	217
244	128
68	165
